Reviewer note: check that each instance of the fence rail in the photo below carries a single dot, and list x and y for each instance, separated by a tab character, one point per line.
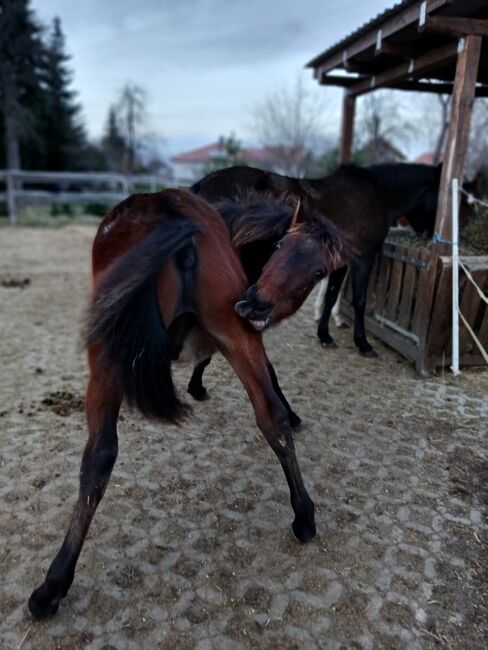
22	187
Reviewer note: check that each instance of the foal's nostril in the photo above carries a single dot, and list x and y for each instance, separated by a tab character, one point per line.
243	308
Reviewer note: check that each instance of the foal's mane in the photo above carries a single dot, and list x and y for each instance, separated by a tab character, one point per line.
252	216
337	248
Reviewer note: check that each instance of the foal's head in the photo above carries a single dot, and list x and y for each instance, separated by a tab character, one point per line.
309	250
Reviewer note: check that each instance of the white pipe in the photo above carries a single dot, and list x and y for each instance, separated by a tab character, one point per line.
455	277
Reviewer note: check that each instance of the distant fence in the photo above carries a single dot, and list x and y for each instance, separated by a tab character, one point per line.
20	188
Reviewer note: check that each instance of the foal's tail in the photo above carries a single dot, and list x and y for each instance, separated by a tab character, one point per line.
125	320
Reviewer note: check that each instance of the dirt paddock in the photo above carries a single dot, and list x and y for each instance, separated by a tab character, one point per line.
191	547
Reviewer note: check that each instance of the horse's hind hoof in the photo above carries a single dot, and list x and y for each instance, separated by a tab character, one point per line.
199	393
329	345
40	607
304	532
295	420
369	354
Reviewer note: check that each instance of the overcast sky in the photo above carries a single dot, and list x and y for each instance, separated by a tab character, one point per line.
203	63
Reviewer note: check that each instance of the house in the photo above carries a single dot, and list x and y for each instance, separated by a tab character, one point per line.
192	165
380	150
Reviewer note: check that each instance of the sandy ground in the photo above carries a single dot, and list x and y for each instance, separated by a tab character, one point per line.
191	547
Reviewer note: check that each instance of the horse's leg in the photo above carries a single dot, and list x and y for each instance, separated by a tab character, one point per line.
248	359
196	388
319	299
336	279
102	408
336	314
293	418
360	273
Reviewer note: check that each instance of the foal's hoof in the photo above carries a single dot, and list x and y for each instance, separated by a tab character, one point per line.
41	606
295	420
369	354
344	326
304	531
199	393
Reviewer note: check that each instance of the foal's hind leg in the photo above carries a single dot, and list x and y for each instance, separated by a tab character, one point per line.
196	388
249	361
102	407
293	418
336	279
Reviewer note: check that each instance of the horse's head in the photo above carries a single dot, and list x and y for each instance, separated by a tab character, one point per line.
308	252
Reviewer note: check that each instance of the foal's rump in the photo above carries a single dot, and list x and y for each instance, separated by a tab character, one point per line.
125	319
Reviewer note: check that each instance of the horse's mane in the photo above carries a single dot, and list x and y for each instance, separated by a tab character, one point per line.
252	216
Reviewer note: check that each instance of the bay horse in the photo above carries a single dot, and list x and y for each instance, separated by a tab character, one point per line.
362	202
168	282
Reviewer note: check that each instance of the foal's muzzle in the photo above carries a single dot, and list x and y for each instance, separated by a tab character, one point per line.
254	310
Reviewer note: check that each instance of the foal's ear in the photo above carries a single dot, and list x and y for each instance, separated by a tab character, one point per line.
299	216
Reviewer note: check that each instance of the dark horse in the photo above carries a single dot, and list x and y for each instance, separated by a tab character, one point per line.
167	281
362	202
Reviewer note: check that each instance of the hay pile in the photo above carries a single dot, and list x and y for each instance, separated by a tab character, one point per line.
473	237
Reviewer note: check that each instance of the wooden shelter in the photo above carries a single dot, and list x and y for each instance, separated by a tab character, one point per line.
434	46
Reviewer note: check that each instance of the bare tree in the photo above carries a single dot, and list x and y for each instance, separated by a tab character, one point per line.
478	146
289	122
445	108
131	116
381	121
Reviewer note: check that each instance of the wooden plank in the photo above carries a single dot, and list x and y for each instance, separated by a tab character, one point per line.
483	331
399	20
418	67
347	128
382	285
408	293
458	136
455	26
394	290
440	325
469	307
427	281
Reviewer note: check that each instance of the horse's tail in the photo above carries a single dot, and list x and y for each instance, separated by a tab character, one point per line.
125	320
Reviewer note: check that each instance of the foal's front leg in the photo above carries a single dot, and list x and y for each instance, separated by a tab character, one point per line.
293	418
249	362
102	408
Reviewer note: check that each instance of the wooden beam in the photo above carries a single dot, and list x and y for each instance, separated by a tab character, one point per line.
347	129
398	21
444	88
455	26
414	68
393	49
458	136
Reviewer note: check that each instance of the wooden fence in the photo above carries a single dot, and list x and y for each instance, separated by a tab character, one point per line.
418	324
20	188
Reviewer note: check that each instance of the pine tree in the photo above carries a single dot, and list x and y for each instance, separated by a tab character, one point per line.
21	52
62	129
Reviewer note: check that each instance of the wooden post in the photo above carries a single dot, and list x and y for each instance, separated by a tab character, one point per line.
453	166
458	135
347	131
11	207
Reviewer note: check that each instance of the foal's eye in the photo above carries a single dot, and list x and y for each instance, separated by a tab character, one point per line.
278	245
319	275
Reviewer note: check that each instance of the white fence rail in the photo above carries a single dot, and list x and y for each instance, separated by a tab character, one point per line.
19	188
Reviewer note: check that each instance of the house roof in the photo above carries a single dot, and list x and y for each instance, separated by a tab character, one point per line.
251	154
